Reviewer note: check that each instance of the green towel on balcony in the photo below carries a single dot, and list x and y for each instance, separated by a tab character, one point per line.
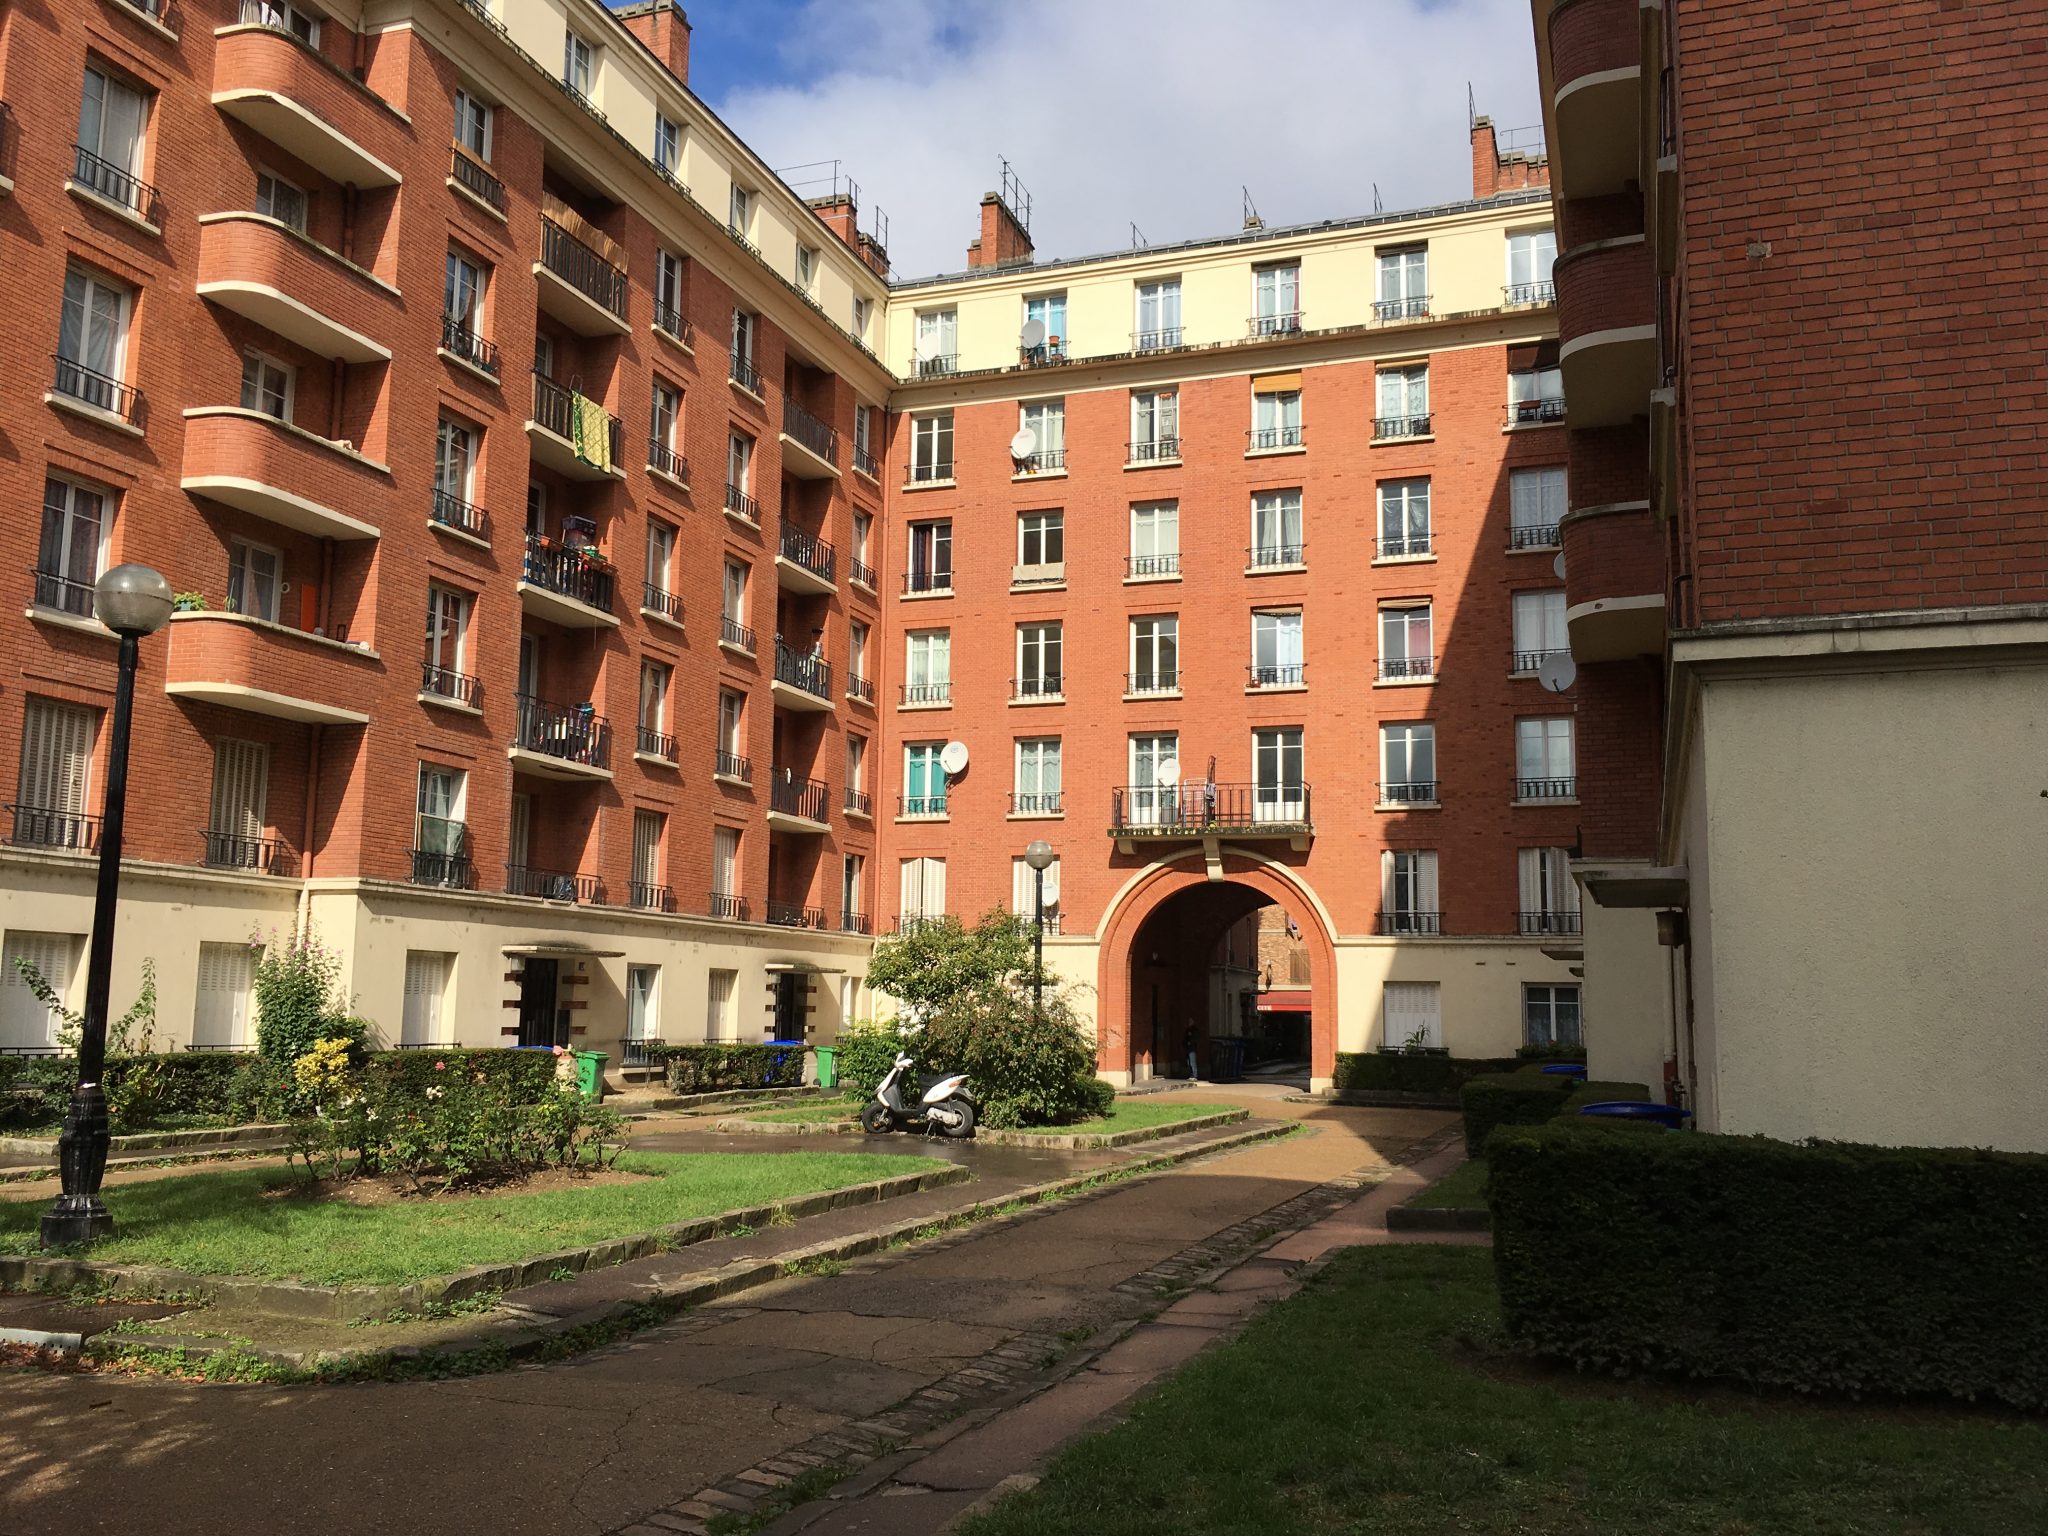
592	431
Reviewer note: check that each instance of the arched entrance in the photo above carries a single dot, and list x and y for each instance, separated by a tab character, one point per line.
1160	978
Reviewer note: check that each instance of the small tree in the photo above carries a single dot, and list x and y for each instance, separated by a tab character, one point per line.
298	998
937	962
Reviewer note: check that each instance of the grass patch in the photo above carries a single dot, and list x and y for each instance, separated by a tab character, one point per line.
225	1224
1462	1189
1128	1115
1374	1401
813	1114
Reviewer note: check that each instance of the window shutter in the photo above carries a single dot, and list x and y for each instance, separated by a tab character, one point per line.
220	1011
1409	1008
426	984
935	887
241	780
23	1020
1021	889
1425	882
1387	880
646	846
718	1006
56	755
911	899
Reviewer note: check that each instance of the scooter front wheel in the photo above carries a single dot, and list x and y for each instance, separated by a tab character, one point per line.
876	1120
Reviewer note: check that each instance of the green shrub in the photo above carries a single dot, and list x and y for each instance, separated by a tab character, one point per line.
1825	1267
1413	1071
528	1077
867	1051
298	997
1552	1053
1026	1065
1508	1098
713	1067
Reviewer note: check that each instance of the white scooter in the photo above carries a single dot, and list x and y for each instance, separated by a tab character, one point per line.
943	1103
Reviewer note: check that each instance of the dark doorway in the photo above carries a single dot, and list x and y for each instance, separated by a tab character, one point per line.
792	1005
539	1019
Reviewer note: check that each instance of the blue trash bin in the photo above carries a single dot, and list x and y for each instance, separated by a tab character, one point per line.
1565	1069
1669	1116
782	1049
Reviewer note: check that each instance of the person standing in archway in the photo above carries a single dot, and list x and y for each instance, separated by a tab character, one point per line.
1192	1073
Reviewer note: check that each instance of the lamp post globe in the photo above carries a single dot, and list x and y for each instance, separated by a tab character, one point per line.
132	600
1038	854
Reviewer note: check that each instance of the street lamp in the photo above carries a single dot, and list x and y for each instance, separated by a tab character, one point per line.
1038	854
132	601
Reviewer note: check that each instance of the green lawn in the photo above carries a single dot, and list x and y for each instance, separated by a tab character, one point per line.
813	1114
221	1224
1364	1406
1462	1189
1130	1115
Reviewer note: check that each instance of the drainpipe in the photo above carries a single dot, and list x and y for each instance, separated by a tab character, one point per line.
306	868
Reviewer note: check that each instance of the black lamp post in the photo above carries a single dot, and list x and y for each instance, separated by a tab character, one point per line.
1038	854
132	601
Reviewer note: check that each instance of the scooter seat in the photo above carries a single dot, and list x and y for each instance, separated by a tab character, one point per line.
930	1080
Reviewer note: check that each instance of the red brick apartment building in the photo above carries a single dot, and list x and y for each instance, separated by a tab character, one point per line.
589	559
1806	557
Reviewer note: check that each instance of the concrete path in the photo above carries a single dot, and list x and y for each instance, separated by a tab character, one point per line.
602	1442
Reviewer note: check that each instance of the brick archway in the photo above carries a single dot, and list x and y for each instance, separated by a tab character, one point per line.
1248	882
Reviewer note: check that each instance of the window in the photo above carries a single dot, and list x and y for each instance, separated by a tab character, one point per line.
1276	300
1155	425
1411	1015
1025	892
725	870
1276	419
1158	320
1549	895
1550	1014
1536	503
113	119
931	447
643	1010
668	293
664	413
301	23
1543	759
856	764
1407	765
743	327
1038	777
924	890
1404	518
447	643
1038	660
426	998
739	215
544	355
1155	654
1048	310
1539	629
1531	255
1153	797
862	310
719	1022
1276	649
853	884
1403	402
473	125
733	602
254	575
441	852
26	1022
579	64
56	765
239	814
739	462
1278	790
924	781
654	681
462	295
1046	421
668	145
92	341
931	556
75	524
1407	645
857	648
266	386
732	714
1276	529
1535	384
1041	545
220	1005
661	545
863	532
938	344
278	199
806	267
650	835
864	439
1403	284
928	667
1408	894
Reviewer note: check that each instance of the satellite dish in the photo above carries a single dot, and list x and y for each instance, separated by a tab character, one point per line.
927	346
1024	444
1052	884
953	757
1558	671
1033	334
1557	565
1167	773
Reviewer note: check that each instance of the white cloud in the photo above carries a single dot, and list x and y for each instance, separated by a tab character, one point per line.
1151	112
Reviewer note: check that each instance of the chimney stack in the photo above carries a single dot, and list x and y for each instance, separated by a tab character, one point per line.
1494	172
663	27
1004	241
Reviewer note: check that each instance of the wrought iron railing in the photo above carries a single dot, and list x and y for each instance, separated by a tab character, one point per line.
64	594
741	505
99	390
1278	674
865	463
1156	341
452	870
857	803
810	431
800	669
653	743
805	798
458	340
1046	685
1139	566
1385	428
1415	308
451	511
1545	789
862	572
1393	546
921	805
924	693
725	904
1544	408
810	552
1409	792
1409	924
1044	462
555	409
446	683
1158	680
794	914
746	375
1530	661
928	581
862	688
856	922
1036	804
1532	536
656	599
1395	668
568	572
943	363
38	826
1153	450
572	734
665	460
1197	807
1267	439
232	850
105	179
474	179
1266	557
644	1053
1288	324
1550	922
929	471
730	765
672	320
158	11
735	634
553	884
581	267
1530	293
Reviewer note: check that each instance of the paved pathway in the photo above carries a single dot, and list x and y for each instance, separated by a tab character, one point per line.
598	1443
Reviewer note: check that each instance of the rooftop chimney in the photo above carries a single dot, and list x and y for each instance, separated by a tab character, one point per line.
1004	240
663	27
1513	170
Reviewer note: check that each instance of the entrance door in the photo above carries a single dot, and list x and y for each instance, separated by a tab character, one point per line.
537	1013
791	998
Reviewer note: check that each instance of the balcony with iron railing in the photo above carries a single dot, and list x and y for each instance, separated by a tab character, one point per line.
730	765
921	807
1407	669
37	826
1409	924
1532	661
1202	809
671	321
1037	804
1151	567
1532	536
577	285
1049	351
73	381
865	463
567	585
1386	429
1545	789
1278	675
450	511
1157	450
1519	295
937	365
1164	339
931	471
553	885
61	594
735	636
650	742
110	183
1045	686
816	444
743	373
451	871
561	740
1541	411
158	11
802	680
479	183
800	800
260	855
928	583
742	506
456	687
645	1052
658	602
724	904
559	437
1561	924
856	922
794	914
1047	461
804	562
1414	307
1288	324
858	803
664	460
862	573
650	896
924	695
1274	439
1276	557
1408	792
1403	546
860	688
1157	682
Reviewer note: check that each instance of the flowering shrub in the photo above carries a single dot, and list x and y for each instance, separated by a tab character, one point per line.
298	997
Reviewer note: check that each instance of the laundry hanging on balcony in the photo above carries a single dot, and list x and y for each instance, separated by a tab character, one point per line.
591	431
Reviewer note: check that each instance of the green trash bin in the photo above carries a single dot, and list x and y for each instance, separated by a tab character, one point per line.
590	1073
828	1066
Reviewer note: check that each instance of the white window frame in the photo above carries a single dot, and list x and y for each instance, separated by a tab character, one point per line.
220	1014
1409	893
1276	298
739	211
1531	254
579	64
1048	526
1156	301
1546	755
1401	281
272	376
1155	653
938	341
59	557
1155	425
281	199
1399	624
1038	643
668	144
425	1010
1036	776
643	1001
1539	628
1553	993
1400	756
1272	514
1277	656
668	290
474	124
924	779
1409	531
448	616
931	447
85	317
242	558
1279	774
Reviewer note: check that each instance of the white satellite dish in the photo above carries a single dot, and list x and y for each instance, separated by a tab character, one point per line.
1052	884
953	757
1024	444
1167	773
927	347
1558	671
1557	565
1033	334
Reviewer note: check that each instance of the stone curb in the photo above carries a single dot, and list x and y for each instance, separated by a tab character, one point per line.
361	1303
1408	1218
142	1141
1076	1141
701	1103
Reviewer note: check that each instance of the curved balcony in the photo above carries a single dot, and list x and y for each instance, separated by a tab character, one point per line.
1606	324
1596	81
281	473
1614	581
292	96
267	669
268	272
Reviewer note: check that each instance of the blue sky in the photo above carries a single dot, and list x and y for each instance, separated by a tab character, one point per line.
1115	112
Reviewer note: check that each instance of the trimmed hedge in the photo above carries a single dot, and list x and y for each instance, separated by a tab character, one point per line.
709	1068
1435	1072
1528	1096
529	1076
1823	1267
